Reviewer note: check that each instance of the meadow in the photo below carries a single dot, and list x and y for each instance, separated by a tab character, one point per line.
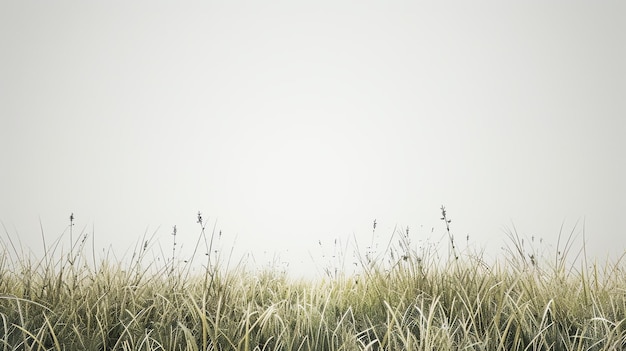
404	298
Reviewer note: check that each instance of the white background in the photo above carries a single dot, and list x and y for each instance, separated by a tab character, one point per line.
292	123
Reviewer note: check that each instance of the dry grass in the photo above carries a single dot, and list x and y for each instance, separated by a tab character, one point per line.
410	302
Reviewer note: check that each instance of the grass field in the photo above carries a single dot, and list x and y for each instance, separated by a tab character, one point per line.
403	300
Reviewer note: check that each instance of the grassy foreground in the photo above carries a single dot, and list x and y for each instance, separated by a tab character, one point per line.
415	303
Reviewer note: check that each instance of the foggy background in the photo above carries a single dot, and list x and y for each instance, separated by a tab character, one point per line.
290	124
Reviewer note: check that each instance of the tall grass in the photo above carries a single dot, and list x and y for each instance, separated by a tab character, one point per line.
407	299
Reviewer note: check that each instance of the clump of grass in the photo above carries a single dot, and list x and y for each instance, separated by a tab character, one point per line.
407	300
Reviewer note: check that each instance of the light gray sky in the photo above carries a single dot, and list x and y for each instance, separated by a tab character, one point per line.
291	123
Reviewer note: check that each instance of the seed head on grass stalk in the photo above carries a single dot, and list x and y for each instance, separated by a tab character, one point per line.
71	261
452	247
173	249
71	225
210	267
370	253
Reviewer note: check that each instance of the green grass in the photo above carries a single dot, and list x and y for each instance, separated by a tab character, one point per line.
406	300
